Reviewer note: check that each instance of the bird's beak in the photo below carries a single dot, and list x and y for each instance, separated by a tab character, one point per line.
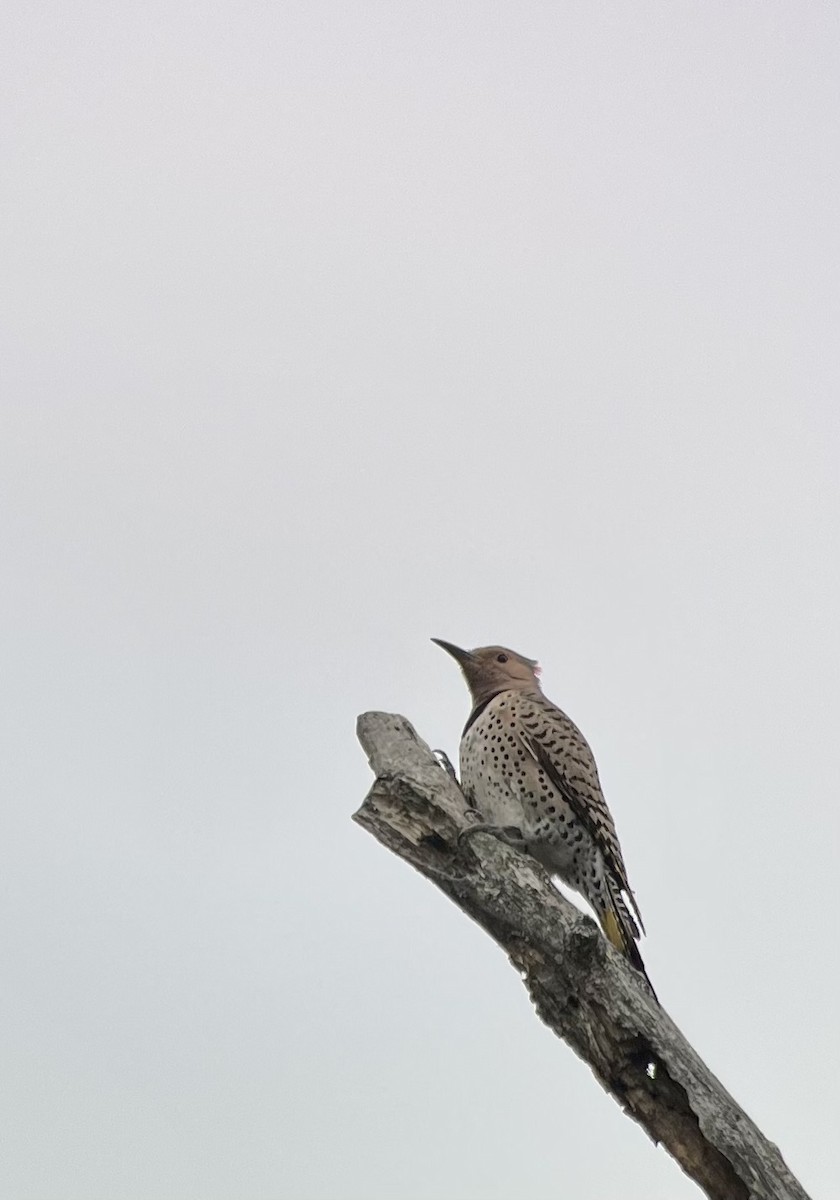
461	656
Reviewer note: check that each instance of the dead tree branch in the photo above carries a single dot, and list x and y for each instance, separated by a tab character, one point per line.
581	987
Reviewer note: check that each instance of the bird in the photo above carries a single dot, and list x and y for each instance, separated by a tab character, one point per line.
529	772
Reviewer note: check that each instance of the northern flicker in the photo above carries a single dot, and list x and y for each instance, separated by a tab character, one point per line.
529	772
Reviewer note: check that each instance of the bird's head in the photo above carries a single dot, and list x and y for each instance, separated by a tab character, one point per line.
492	669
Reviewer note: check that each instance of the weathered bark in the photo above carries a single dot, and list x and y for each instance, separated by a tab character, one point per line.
582	989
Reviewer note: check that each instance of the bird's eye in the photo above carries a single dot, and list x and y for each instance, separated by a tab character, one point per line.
501	658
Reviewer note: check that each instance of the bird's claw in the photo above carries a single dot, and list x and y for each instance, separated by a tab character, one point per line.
474	816
445	762
505	833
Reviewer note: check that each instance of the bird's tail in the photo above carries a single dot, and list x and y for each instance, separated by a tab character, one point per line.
622	931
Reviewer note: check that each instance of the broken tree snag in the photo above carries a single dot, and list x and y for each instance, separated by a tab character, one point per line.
582	988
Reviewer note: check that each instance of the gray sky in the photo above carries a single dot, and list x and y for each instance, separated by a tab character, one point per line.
328	328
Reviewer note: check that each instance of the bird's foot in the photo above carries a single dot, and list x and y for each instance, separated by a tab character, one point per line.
510	834
444	761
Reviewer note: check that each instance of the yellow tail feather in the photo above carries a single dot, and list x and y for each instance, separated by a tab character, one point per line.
623	942
613	930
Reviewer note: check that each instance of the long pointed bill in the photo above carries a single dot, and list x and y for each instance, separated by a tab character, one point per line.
461	656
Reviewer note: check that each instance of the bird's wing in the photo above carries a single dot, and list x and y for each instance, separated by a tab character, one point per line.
560	749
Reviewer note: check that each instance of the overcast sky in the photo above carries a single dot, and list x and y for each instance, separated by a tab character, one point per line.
327	328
